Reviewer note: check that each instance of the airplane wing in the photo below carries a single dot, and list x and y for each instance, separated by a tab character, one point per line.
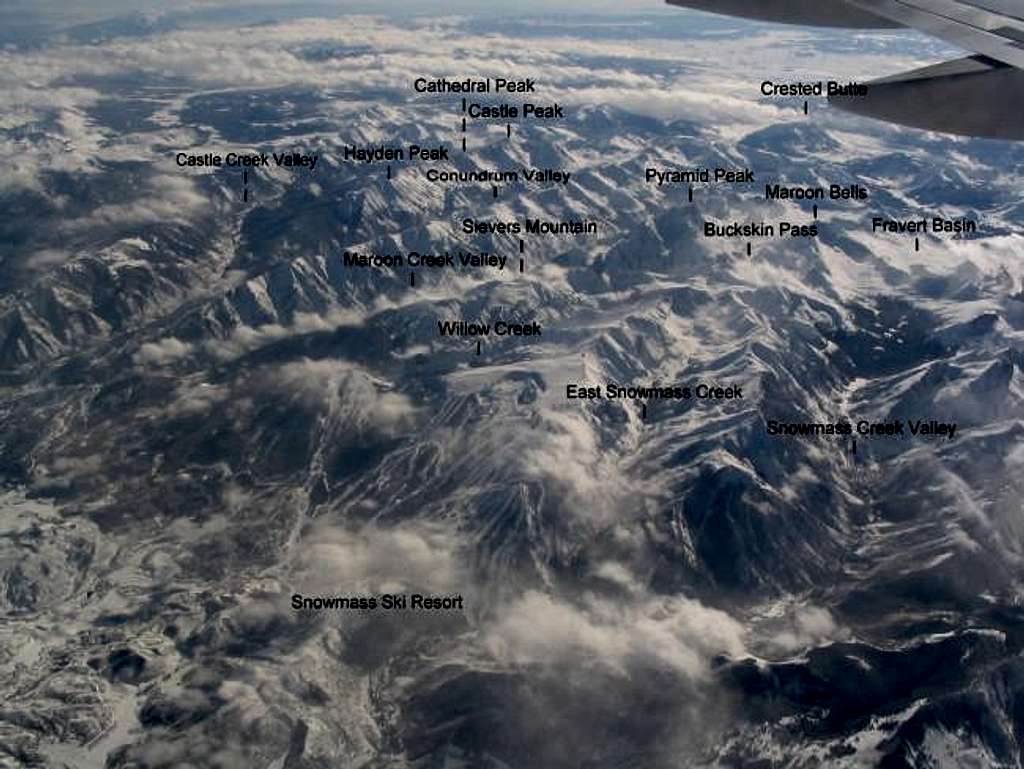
976	96
813	13
992	28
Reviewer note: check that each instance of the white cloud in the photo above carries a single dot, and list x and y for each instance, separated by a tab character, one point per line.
675	633
46	258
162	353
803	627
164	198
348	390
413	556
192	399
565	451
246	338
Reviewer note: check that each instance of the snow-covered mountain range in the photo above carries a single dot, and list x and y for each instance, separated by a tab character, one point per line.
207	412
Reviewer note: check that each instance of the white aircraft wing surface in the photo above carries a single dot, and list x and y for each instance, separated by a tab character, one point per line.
992	28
